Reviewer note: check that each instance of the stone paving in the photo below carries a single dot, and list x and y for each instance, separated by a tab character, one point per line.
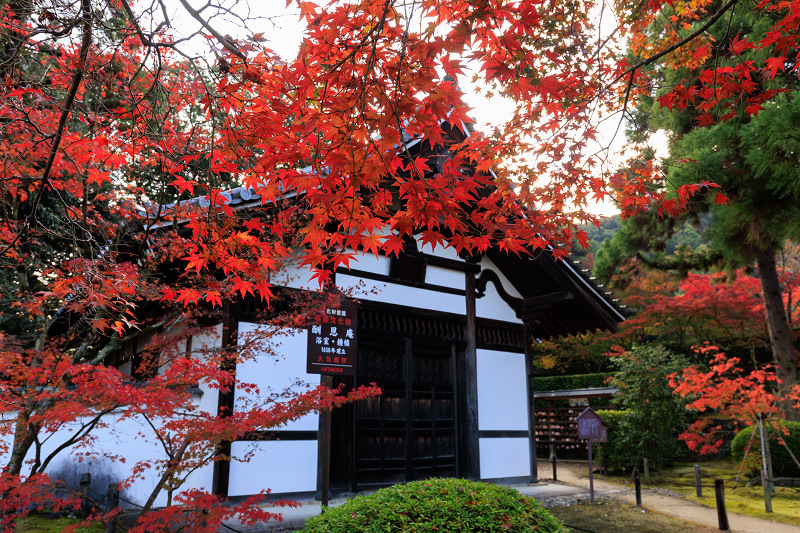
572	488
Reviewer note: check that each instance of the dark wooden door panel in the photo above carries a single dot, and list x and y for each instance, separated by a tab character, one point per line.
410	431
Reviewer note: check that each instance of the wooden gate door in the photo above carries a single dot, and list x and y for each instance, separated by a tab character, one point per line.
410	431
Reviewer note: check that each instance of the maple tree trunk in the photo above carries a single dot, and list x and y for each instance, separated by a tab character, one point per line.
23	440
24	437
778	325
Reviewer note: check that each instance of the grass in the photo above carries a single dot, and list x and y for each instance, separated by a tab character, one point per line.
743	500
39	524
613	517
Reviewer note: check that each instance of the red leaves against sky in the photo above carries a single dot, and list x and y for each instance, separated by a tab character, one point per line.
327	126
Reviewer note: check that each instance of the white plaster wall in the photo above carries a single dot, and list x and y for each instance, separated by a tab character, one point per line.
370	263
403	295
128	440
502	397
445	276
491	305
487	263
281	466
504	458
439	251
296	278
279	367
209	340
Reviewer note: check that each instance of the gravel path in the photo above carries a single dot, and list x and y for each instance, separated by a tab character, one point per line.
659	500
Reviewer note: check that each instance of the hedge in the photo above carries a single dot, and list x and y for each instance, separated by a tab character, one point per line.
615	453
578	381
782	464
438	505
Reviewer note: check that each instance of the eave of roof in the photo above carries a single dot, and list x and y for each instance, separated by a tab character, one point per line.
594	392
589	309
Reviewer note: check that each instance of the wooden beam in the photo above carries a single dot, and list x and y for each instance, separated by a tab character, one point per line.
470	437
230	327
534	307
531	408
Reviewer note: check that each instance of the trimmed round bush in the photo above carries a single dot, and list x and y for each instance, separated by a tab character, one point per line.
782	464
437	505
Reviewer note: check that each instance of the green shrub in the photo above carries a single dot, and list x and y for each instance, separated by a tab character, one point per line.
437	505
782	464
615	455
655	415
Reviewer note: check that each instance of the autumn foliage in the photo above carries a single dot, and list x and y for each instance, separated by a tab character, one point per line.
726	390
724	308
108	129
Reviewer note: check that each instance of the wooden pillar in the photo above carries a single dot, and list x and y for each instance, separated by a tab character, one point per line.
469	431
230	326
531	406
324	449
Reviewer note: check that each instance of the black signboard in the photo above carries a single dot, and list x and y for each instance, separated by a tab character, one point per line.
332	340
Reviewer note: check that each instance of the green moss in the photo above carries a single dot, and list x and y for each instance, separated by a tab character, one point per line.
39	524
437	505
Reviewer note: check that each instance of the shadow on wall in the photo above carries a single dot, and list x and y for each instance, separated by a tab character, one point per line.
97	475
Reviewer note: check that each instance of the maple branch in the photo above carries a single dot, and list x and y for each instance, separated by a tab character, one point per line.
172	466
86	42
142	37
117	340
75	437
229	46
664	52
715	17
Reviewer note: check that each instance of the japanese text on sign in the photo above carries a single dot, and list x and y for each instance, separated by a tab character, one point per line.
590	426
332	345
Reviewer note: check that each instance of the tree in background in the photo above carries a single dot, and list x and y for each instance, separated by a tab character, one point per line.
91	131
724	388
724	309
727	310
653	416
715	136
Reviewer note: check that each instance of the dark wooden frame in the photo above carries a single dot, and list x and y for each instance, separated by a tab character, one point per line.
222	466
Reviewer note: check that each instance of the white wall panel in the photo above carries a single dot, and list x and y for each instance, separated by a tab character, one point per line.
486	263
492	305
404	295
296	278
369	263
440	251
131	440
281	466
280	366
445	276
504	458
502	397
